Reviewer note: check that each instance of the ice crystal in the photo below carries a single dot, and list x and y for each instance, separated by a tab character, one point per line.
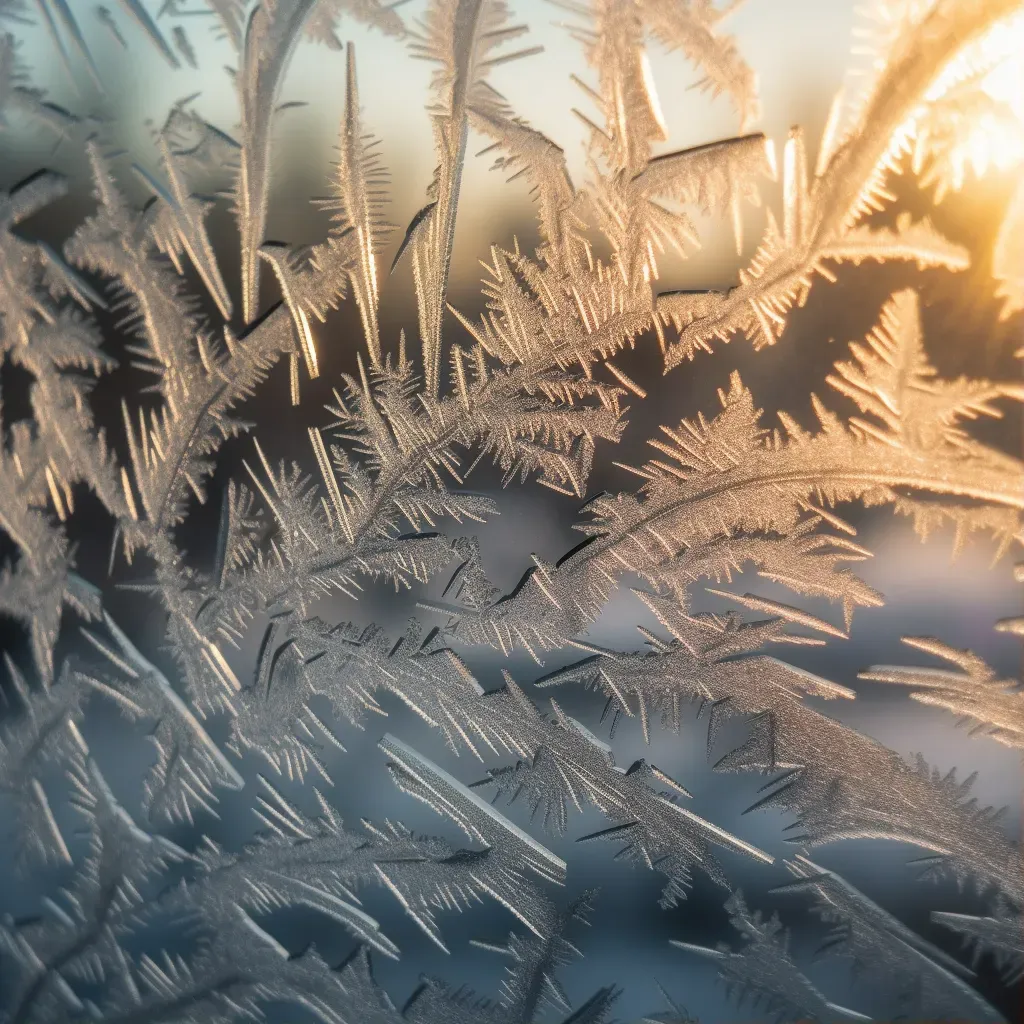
931	983
970	689
139	926
764	973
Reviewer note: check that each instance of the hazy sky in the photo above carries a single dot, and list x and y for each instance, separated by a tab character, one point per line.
799	49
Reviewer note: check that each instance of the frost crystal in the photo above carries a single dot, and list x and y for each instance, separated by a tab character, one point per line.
246	691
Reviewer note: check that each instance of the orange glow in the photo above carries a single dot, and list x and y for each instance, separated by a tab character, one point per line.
992	137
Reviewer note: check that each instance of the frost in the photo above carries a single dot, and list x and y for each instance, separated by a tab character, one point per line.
969	689
930	982
461	37
253	673
272	32
314	281
299	861
730	492
531	986
999	934
839	783
762	973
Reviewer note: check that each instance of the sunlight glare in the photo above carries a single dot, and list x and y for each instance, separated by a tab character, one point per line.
994	70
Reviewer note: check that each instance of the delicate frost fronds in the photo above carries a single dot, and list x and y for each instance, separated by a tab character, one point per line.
300	861
273	31
729	492
531	986
762	974
315	862
693	26
175	222
931	982
839	783
312	281
189	767
80	939
786	262
824	211
40	732
424	780
676	1014
250	665
388	475
35	589
460	36
971	690
560	765
199	377
990	707
1001	934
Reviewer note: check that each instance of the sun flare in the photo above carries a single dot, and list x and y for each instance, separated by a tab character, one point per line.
976	120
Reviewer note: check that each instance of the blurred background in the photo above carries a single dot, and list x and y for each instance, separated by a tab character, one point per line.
801	51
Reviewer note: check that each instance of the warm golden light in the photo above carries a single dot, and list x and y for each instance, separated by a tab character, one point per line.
976	120
998	141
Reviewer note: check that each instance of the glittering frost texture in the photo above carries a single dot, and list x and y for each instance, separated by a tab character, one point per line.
142	347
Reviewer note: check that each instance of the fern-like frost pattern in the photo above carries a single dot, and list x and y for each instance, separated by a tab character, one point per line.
248	691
